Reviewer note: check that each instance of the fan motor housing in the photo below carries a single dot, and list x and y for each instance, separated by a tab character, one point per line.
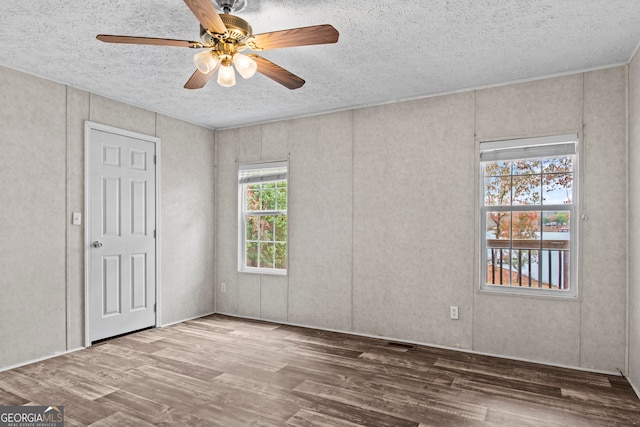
237	31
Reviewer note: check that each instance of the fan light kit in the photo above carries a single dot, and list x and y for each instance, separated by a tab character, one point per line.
224	36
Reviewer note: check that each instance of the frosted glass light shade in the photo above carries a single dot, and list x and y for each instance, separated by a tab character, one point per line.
226	76
246	66
205	61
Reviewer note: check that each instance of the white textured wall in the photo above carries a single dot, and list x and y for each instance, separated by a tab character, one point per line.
42	182
187	224
32	217
320	214
634	222
78	103
604	234
383	221
413	226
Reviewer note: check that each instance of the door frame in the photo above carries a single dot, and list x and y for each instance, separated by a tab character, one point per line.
88	127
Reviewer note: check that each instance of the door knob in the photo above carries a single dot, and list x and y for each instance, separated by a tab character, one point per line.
97	244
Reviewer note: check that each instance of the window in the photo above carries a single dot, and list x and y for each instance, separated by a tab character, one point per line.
263	217
528	221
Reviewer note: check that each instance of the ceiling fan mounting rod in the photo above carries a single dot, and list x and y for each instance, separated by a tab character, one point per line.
230	6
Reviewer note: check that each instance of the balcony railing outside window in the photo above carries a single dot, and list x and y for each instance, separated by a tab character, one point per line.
528	263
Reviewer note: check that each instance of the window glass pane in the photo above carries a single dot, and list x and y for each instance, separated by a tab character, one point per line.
497	168
516	261
557	164
268	197
555	269
554	258
527	167
524	264
266	228
526	244
251	225
253	197
281	228
251	254
498	266
525	227
556	225
281	255
267	251
528	273
281	196
498	243
526	189
498	225
558	189
497	191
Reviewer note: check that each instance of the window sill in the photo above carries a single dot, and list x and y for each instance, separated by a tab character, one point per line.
529	294
264	271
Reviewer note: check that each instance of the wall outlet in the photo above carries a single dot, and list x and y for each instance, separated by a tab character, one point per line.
76	218
453	312
223	287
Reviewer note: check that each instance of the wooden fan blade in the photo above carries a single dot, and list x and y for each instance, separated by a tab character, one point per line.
277	73
147	40
207	15
198	79
304	36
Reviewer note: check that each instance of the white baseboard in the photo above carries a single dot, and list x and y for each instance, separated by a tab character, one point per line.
29	362
164	325
464	350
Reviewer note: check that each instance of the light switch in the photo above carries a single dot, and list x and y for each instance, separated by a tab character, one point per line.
76	218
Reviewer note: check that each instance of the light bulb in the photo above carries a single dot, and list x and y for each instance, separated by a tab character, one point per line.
226	76
206	61
246	66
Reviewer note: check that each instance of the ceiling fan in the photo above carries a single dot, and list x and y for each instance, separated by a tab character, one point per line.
225	35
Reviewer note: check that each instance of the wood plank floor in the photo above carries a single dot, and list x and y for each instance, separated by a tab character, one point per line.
221	371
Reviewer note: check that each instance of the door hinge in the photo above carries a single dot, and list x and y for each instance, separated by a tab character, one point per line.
155	161
154	307
154	234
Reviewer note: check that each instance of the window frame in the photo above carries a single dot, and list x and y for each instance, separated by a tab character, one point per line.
261	176
521	149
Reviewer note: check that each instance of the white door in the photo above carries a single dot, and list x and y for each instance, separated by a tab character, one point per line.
121	231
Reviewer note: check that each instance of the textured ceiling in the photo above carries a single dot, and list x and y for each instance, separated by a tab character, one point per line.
388	50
